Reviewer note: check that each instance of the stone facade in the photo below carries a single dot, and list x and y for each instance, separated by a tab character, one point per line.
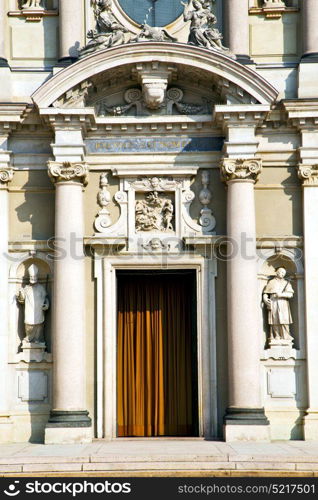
185	146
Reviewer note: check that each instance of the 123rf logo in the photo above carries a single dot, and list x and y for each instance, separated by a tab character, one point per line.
73	489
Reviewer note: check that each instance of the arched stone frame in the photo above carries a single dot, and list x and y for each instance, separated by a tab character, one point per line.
212	62
17	278
290	258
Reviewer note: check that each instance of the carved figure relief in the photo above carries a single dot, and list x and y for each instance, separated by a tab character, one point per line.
35	300
154	213
154	97
108	31
202	30
276	296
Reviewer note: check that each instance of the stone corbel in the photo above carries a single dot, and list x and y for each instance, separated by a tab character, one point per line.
240	169
154	78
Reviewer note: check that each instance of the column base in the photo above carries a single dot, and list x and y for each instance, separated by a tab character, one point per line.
68	427
311	426
246	424
68	435
71	418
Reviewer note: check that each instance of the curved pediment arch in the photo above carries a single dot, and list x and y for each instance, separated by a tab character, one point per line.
224	70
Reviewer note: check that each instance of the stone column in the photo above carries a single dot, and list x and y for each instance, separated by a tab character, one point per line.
3	29
245	418
71	19
309	176
309	27
236	28
6	175
69	421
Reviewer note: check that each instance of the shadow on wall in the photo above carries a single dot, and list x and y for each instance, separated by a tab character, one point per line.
36	213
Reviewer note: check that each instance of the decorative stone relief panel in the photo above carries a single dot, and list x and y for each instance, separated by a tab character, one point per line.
157	209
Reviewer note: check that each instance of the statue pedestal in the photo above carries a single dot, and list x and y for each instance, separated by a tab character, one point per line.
281	344
34	352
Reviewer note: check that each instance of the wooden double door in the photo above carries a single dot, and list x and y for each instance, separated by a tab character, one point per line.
157	354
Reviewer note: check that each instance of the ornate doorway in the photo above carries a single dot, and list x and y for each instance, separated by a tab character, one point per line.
157	368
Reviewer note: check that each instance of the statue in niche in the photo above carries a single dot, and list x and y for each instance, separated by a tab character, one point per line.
276	296
35	300
108	31
154	213
202	30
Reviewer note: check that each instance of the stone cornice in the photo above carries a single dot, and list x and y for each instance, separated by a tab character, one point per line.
308	174
69	118
67	171
302	113
240	169
249	115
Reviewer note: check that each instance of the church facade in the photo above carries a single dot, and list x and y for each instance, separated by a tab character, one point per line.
159	192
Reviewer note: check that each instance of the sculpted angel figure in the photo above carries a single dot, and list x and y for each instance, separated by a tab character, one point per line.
108	32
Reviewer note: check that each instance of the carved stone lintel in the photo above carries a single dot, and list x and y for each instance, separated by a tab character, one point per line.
67	171
308	174
240	169
6	174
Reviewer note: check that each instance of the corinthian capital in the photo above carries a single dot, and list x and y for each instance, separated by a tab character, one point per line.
6	174
240	169
66	171
308	174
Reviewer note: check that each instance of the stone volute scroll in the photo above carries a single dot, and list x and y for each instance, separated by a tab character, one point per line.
276	296
67	171
6	174
308	174
240	169
103	219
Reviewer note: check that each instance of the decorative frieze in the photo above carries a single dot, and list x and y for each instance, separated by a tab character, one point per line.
240	169
308	174
67	171
6	174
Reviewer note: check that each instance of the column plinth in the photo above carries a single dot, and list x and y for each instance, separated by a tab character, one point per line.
69	421
245	418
